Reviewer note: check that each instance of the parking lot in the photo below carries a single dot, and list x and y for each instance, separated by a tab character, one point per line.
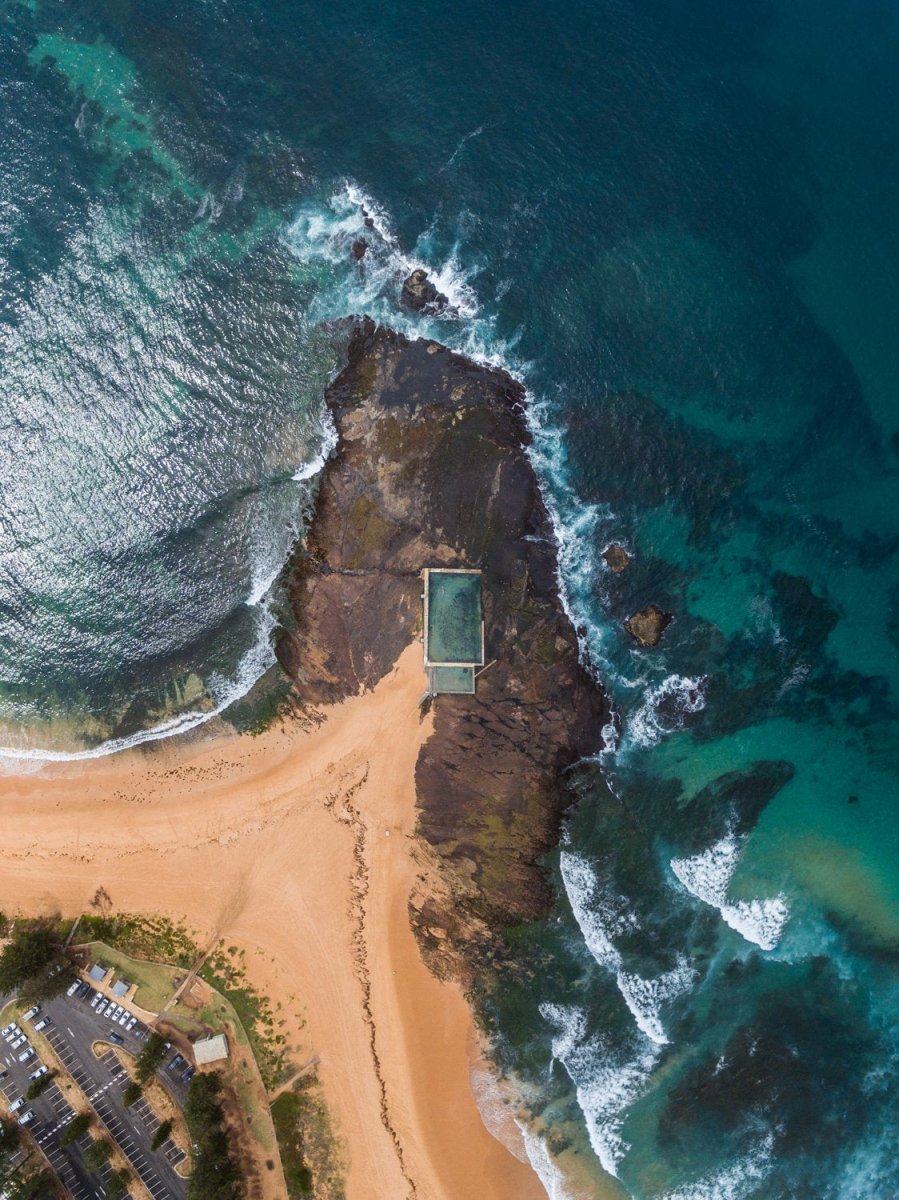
72	1028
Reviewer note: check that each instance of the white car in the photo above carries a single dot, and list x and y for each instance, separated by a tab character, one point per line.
42	1024
101	1006
9	1028
17	1104
115	1012
14	1032
96	1000
42	1070
132	1021
26	1117
32	1013
73	988
20	1041
125	1017
26	1054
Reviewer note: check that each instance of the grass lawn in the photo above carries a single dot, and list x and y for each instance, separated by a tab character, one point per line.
155	981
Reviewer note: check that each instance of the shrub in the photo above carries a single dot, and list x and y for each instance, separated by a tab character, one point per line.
40	1085
98	1154
216	1175
131	1094
75	1128
161	1134
31	961
117	1184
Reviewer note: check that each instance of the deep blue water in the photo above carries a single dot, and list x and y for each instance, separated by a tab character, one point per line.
677	222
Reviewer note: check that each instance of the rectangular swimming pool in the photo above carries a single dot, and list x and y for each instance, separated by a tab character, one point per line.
454	618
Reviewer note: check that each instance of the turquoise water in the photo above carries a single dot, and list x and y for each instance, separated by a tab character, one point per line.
454	617
676	222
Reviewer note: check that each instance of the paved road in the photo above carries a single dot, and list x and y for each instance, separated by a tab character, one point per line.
74	1028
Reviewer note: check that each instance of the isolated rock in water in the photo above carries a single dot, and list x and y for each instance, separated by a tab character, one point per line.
617	557
359	247
420	294
648	625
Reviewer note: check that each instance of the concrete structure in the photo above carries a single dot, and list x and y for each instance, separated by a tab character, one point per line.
454	629
211	1049
121	987
98	972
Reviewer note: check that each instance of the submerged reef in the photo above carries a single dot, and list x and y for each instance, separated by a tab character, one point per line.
431	469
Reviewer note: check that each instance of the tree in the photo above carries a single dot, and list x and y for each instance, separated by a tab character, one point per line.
117	1184
150	1057
40	1085
98	1154
75	1128
161	1135
131	1094
216	1175
31	962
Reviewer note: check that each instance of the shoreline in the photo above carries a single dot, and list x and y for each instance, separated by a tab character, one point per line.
297	846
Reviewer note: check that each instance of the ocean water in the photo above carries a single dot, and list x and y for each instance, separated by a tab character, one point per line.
676	222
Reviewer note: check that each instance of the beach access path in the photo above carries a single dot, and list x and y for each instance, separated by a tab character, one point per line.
295	846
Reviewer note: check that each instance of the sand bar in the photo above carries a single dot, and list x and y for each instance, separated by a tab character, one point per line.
296	847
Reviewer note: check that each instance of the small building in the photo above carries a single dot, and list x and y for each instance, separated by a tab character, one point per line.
121	987
454	629
98	972
211	1049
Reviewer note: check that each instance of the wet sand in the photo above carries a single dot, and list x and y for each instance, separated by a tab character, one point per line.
294	846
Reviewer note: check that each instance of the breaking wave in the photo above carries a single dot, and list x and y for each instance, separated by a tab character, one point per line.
707	877
600	918
735	1182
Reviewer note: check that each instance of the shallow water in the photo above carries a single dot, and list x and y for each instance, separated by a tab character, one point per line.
677	224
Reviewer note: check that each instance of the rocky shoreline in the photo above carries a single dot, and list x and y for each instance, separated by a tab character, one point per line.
431	469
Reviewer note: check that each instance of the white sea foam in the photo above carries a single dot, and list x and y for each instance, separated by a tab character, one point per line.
542	1164
707	877
601	917
681	696
605	1085
734	1182
223	690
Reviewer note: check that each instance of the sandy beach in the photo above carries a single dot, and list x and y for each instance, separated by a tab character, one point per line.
296	847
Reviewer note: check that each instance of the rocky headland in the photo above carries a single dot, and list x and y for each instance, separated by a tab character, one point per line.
431	469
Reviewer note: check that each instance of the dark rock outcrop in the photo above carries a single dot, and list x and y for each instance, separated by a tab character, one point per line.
359	247
648	625
431	469
421	295
617	558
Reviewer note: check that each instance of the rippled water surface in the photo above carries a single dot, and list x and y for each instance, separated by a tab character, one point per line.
677	223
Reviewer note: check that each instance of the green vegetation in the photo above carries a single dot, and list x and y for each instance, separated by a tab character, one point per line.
265	704
254	1012
131	1094
155	980
150	1057
31	962
216	1175
286	1113
161	1134
98	1154
117	1184
40	1085
75	1128
140	936
23	1179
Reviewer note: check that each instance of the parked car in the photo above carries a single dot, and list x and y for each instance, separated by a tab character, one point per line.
32	1013
125	1017
82	990
20	1041
114	1037
26	1117
42	1024
9	1028
13	1032
42	1070
188	1075
113	1013
26	1054
98	996
176	1062
17	1104
101	1007
73	987
132	1021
